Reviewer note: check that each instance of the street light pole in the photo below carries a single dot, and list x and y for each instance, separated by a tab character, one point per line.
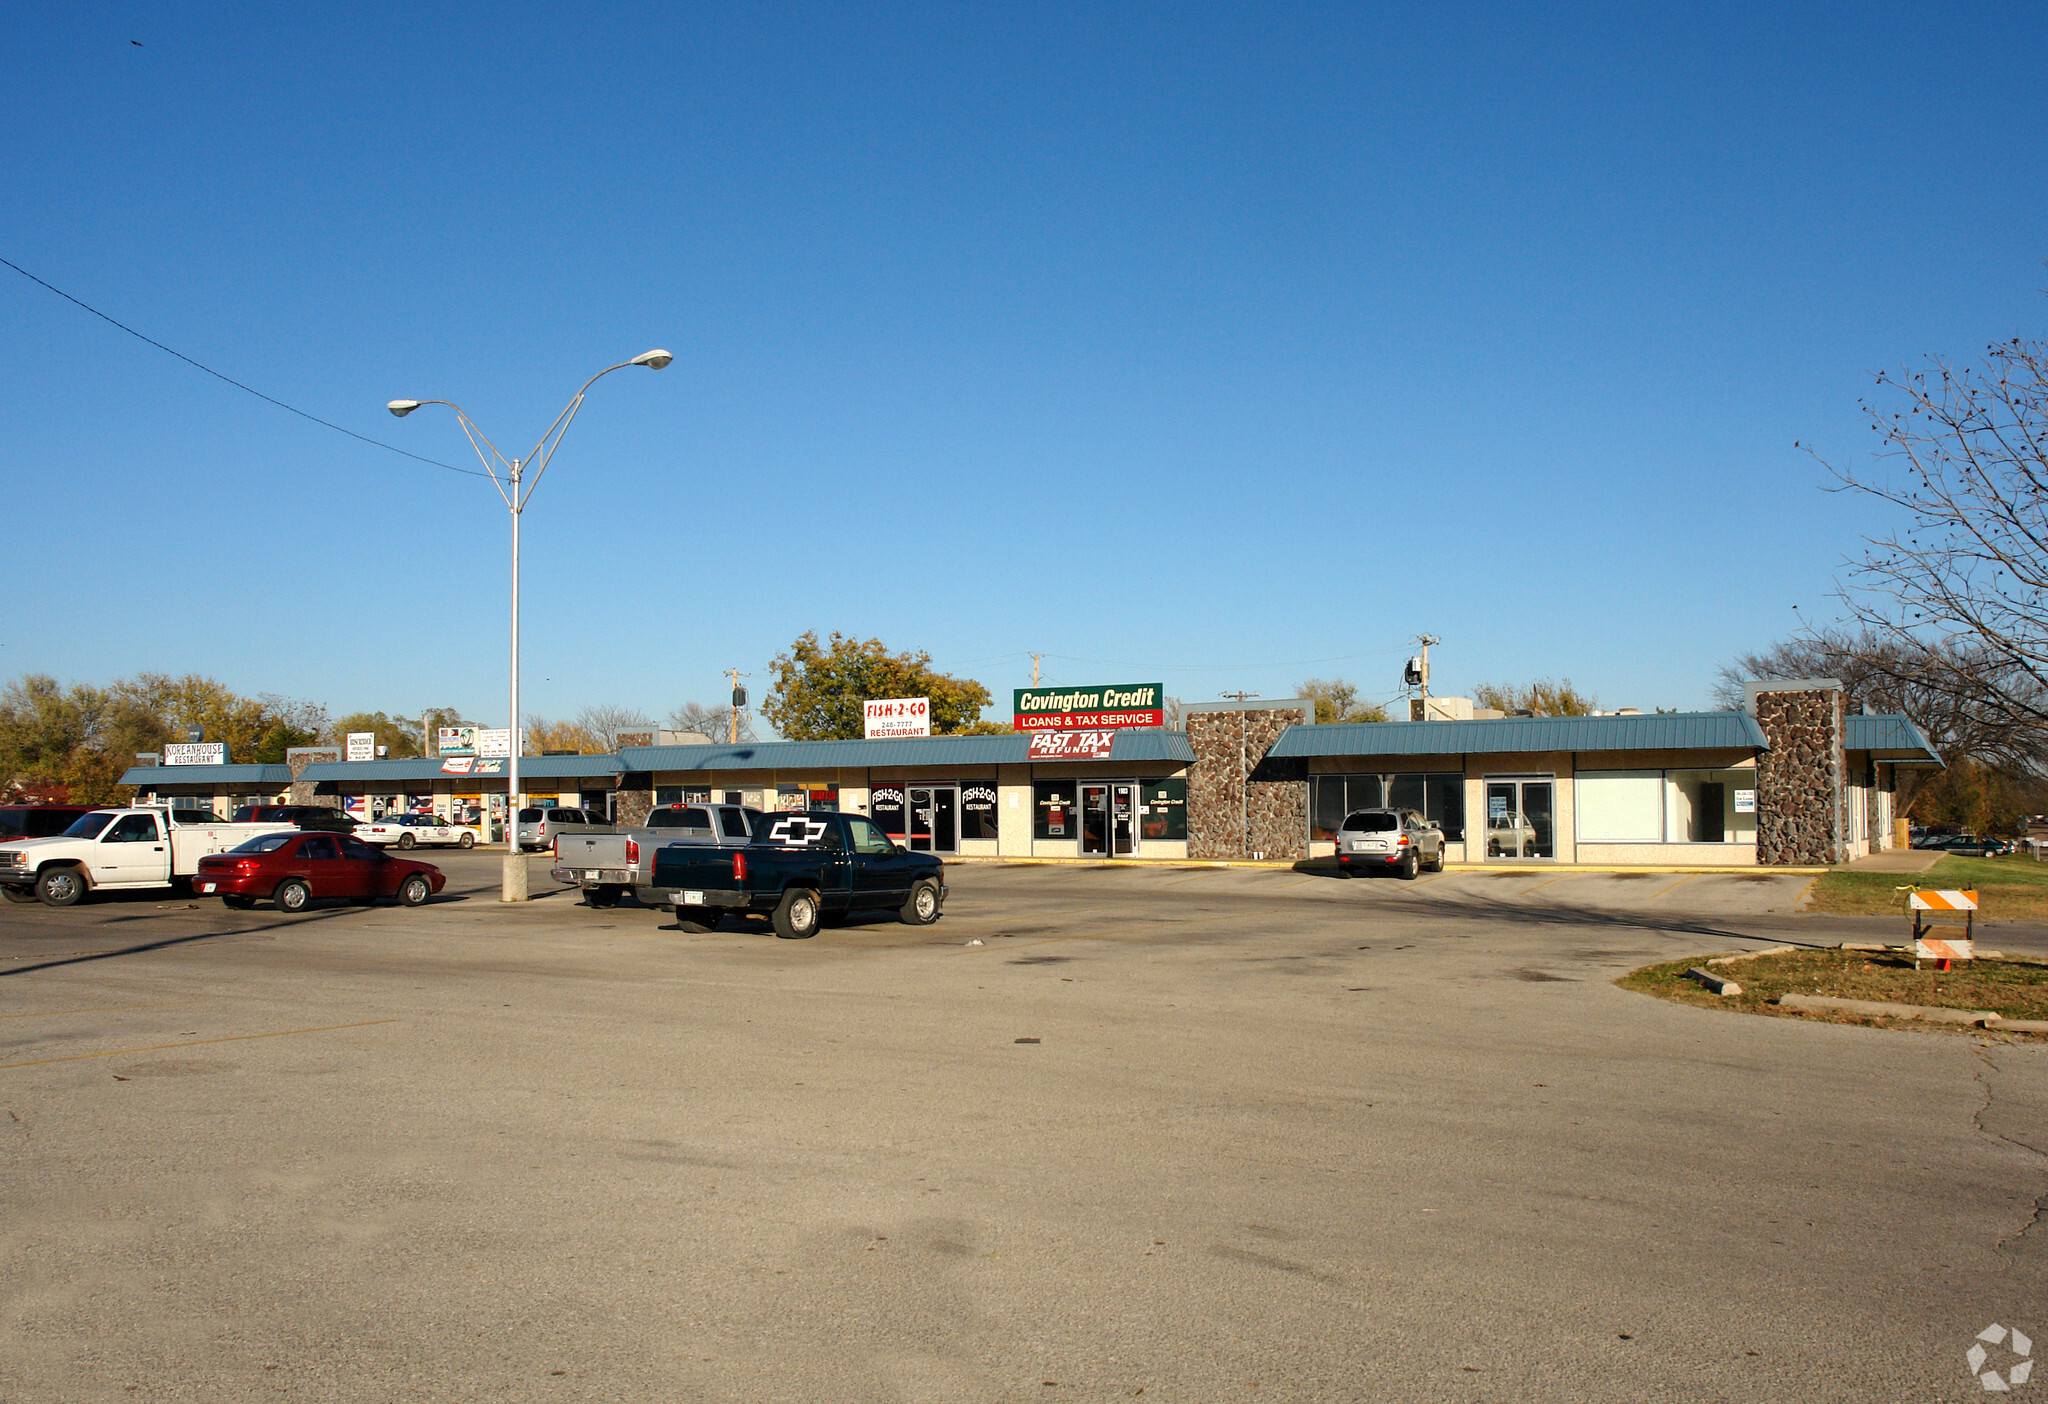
514	489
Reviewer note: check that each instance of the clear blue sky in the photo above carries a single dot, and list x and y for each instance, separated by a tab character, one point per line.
1179	343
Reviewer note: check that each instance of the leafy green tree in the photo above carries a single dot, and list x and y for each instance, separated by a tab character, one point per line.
819	689
1542	697
1338	701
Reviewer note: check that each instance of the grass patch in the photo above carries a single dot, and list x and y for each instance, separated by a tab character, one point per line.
2011	887
2014	989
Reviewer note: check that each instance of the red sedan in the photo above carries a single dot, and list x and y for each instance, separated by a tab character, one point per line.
294	870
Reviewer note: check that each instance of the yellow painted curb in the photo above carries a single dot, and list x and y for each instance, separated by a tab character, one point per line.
1559	869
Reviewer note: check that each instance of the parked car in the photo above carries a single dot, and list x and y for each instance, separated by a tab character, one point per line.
606	865
18	821
296	869
304	816
538	827
1509	835
799	870
411	830
1398	841
116	848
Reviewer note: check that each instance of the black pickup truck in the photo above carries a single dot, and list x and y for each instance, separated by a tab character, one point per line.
798	870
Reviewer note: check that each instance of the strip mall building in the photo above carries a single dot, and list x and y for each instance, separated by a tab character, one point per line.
1793	778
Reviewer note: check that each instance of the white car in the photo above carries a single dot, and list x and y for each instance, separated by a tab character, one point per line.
412	830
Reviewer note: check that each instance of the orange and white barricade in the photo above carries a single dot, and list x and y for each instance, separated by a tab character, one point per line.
1927	946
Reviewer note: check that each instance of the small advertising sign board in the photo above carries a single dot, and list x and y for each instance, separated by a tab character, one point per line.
491	742
1110	706
362	745
1071	745
1745	801
455	740
898	716
196	753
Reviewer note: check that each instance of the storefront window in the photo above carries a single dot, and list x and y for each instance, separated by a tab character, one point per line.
1665	806
886	808
1439	798
1620	806
1164	809
1052	810
978	816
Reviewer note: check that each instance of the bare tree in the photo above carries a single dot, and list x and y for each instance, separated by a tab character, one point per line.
1934	684
604	723
712	721
1961	591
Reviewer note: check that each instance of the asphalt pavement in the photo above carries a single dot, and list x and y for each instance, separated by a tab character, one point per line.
1204	1134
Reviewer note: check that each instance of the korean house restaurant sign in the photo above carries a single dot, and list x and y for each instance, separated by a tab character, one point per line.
1090	708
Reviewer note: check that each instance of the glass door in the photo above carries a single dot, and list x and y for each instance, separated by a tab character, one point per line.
1123	820
934	818
1095	821
1520	819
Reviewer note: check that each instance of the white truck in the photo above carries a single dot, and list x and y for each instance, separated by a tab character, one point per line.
118	849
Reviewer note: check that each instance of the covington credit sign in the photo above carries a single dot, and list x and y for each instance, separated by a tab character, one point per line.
1083	708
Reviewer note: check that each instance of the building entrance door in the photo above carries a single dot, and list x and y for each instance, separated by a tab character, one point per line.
1109	820
1520	819
934	818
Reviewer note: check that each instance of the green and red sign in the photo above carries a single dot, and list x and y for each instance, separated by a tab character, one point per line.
1106	707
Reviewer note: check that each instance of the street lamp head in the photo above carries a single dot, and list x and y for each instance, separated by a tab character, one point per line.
653	360
402	408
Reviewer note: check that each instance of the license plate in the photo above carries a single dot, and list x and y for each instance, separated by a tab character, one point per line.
206	887
593	874
693	899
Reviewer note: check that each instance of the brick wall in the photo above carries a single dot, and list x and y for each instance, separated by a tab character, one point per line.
1799	780
298	758
1240	802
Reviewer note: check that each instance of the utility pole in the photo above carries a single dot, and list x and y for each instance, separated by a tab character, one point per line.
739	700
1240	696
1034	668
1420	676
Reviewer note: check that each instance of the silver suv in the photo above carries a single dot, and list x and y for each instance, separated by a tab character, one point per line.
538	827
1388	841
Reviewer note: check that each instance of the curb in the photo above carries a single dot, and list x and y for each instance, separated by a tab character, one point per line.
1926	1013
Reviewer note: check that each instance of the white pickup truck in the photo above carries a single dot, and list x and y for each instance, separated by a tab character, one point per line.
117	849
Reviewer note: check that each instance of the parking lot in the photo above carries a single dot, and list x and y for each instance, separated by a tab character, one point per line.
1205	1134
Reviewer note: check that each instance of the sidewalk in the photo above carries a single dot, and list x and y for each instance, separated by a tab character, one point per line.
1895	860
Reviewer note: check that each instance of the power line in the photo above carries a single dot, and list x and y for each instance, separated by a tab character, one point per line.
325	424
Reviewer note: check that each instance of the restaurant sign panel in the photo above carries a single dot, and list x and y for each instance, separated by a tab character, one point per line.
1088	708
1071	745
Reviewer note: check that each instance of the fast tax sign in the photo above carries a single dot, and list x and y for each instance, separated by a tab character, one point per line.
1083	708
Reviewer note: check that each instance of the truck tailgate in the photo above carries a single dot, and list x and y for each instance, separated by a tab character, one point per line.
592	850
695	867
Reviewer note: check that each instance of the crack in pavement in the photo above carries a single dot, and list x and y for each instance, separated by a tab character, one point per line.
1983	1079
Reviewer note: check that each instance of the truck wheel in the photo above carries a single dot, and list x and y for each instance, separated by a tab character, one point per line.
695	919
796	915
414	891
18	894
606	895
406	840
1410	866
292	895
921	908
1343	869
60	887
468	840
234	901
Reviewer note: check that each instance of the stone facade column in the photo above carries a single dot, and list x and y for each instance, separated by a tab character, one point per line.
632	800
298	758
1801	802
1241	801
